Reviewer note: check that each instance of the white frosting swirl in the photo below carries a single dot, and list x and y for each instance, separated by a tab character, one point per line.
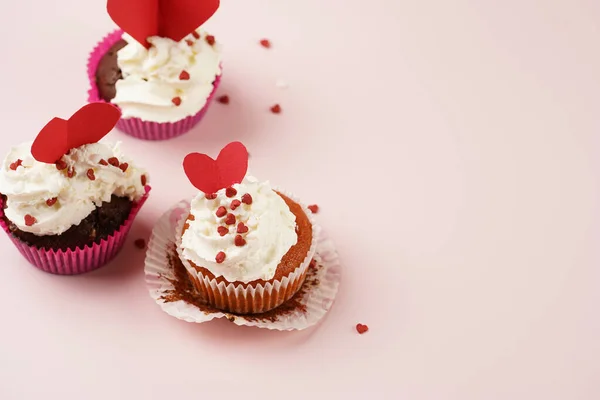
33	183
271	233
151	77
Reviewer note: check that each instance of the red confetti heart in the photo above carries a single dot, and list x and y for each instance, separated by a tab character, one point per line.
88	125
173	19
210	175
360	328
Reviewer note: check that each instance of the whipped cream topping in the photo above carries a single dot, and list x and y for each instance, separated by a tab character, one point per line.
153	79
57	201
271	232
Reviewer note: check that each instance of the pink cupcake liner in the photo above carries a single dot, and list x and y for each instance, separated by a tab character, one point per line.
136	127
80	260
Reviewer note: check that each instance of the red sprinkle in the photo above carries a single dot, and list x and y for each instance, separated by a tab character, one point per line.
223	99
223	230
176	100
90	174
314	208
239	241
71	172
51	202
360	328
247	199
61	165
143	179
124	166
276	109
184	75
221	212
230	192
235	204
265	43
230	219
189	42
196	34
16	164
241	228
29	220
140	244
210	196
114	161
103	162
220	257
210	39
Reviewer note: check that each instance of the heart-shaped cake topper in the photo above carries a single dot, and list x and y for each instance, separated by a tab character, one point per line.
210	175
173	19
88	125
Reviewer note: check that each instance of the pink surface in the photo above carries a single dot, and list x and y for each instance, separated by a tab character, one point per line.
453	150
137	127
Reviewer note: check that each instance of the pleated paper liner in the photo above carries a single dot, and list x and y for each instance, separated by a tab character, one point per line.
173	291
136	127
80	260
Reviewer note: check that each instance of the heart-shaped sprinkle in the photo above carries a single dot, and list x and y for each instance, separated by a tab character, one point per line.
220	257
71	172
90	175
189	42
223	99
29	220
210	39
230	192
247	199
173	19
221	212
235	204
51	202
196	35
241	228
140	244
230	219
103	162
360	328
210	196
210	176
313	208
114	161
88	125
265	43
16	164
223	230
143	180
276	109
61	165
123	167
184	75
239	241
176	101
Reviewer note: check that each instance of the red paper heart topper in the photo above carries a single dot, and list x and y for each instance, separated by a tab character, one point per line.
173	19
88	125
210	175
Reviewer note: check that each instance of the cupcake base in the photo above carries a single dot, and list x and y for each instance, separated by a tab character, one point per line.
173	291
136	127
82	259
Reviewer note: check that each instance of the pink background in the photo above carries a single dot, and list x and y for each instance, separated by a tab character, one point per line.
452	147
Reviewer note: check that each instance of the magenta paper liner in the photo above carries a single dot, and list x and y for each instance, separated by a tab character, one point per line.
80	260
137	127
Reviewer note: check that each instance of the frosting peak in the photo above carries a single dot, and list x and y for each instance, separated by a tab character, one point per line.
154	77
59	199
249	223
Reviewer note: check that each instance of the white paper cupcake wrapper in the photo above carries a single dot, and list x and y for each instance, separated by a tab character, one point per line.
314	300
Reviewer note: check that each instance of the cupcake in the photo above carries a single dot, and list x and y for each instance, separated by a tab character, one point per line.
163	80
67	201
245	246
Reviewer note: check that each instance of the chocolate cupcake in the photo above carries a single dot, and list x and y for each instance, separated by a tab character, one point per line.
68	196
162	79
245	246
